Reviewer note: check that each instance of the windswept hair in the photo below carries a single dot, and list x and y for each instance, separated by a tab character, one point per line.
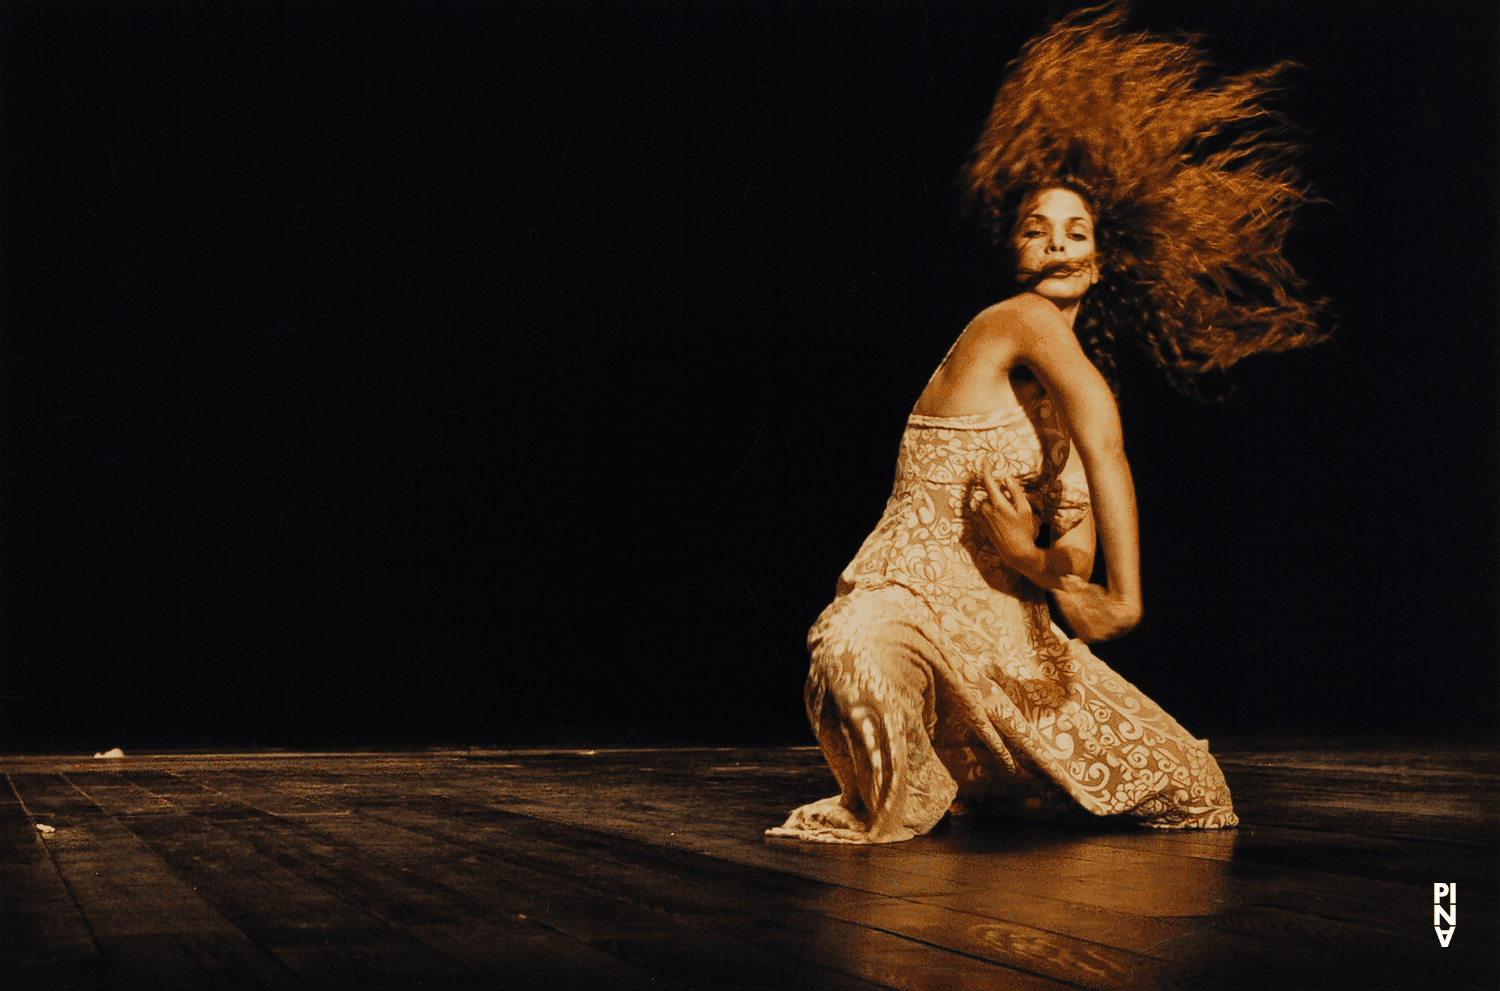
1189	180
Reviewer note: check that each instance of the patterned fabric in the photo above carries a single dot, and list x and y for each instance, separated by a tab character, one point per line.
937	673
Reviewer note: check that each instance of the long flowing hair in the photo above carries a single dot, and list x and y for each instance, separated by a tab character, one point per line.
1188	176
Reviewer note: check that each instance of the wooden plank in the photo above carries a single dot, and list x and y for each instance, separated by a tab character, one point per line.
1311	895
1386	759
1193	959
1254	965
709	895
1297	891
757	930
1012	875
313	931
1449	795
653	806
1349	853
1115	877
149	924
44	941
1025	947
1071	920
1416	951
656	825
492	887
652	863
1406	951
1112	873
523	953
384	875
1277	876
1322	946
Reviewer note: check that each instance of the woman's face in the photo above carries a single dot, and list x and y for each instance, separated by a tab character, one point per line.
1056	236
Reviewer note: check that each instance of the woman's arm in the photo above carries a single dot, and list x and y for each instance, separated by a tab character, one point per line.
1012	530
1040	338
1077	547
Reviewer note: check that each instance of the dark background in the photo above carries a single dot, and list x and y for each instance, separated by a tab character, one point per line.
526	372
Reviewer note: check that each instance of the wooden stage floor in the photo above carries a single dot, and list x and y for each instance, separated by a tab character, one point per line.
646	868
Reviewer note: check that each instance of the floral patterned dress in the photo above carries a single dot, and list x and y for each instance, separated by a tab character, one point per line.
937	672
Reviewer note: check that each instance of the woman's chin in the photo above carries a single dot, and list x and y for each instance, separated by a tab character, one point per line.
1064	291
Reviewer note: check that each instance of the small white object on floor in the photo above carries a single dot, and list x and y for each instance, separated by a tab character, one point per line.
114	754
45	829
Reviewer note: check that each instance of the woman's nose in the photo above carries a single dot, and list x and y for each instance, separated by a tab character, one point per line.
1055	243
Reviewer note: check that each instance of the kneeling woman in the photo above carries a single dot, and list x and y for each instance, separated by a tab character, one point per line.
938	678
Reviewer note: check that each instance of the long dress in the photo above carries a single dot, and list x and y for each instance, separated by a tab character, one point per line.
937	672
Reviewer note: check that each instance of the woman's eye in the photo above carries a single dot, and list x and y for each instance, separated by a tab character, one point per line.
1078	237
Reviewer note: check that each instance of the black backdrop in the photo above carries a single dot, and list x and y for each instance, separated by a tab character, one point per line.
486	373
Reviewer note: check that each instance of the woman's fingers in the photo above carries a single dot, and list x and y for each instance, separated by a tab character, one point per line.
1018	499
1016	489
1015	494
991	487
1004	486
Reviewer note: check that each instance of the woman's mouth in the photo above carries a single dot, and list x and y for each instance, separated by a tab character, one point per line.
1065	269
1054	270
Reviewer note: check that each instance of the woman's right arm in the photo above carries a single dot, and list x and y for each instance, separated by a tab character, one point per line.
1041	339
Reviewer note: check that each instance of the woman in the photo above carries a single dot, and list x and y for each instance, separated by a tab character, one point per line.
1134	203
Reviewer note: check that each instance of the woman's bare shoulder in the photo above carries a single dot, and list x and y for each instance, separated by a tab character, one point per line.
1029	309
1024	315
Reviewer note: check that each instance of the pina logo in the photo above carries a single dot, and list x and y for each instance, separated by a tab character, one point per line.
1440	914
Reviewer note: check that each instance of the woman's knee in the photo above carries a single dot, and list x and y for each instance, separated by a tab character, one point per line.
869	656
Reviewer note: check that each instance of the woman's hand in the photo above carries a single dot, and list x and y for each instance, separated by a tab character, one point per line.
1093	612
1009	522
